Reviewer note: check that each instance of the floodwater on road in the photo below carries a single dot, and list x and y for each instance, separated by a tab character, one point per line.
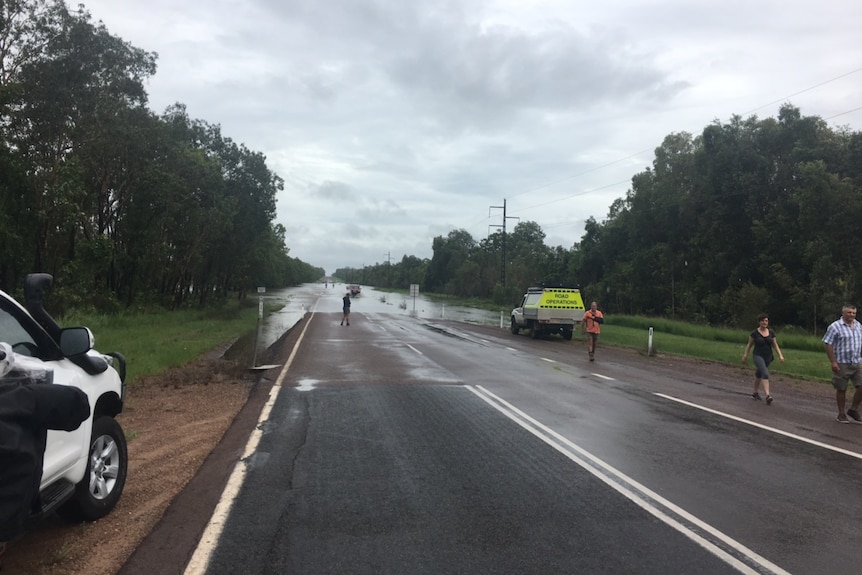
296	301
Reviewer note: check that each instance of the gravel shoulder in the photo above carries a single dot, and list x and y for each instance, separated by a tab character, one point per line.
173	422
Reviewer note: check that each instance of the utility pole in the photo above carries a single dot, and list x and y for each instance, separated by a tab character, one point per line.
505	217
388	269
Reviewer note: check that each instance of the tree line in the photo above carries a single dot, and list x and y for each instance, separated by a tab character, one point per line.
123	206
130	208
752	215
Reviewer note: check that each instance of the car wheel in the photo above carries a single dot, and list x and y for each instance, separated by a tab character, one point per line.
567	335
515	328
100	489
535	331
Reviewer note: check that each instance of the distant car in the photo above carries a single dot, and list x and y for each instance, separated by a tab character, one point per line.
84	471
355	289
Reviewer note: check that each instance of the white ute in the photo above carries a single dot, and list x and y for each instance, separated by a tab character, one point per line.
84	471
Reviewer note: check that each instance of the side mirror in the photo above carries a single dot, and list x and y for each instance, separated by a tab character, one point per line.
76	341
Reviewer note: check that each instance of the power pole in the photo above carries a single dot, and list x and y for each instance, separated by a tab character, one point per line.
505	217
388	270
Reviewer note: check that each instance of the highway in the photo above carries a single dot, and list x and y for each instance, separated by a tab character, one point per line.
415	445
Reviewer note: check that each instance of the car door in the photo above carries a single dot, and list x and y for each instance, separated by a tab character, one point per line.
34	349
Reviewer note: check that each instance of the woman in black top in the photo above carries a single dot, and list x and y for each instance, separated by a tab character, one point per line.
763	341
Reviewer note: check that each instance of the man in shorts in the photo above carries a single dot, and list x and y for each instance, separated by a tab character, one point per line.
843	341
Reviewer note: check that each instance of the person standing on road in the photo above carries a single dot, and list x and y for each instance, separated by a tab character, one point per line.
592	326
843	340
346	309
763	341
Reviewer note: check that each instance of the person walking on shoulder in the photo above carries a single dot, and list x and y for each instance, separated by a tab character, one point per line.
592	326
763	341
346	309
843	340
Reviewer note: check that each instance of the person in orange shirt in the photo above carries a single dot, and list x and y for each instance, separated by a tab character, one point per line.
592	326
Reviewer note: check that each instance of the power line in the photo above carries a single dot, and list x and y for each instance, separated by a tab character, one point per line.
537	188
585	192
803	91
843	113
636	154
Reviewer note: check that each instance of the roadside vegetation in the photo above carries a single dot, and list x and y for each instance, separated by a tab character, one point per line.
804	353
127	208
133	210
154	342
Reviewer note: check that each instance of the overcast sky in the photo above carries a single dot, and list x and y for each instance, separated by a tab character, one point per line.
395	121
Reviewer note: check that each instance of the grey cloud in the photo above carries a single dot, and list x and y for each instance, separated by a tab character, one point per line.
374	210
335	191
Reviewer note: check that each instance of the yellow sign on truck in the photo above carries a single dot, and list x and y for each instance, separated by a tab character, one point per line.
549	310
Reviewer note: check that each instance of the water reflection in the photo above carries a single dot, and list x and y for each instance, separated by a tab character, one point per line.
295	302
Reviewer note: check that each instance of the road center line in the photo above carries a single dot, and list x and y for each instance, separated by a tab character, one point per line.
209	539
414	349
548	360
639	494
764	427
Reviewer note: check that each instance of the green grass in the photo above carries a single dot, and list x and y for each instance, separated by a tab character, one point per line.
804	354
153	342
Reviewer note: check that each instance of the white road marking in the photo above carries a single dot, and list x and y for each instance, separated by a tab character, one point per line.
203	553
765	427
414	349
603	376
511	349
639	494
548	360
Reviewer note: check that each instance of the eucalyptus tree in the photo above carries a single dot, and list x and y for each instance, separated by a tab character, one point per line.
63	124
751	214
250	191
26	26
528	254
450	255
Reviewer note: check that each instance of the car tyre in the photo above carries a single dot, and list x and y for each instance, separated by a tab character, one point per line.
567	335
515	328
100	489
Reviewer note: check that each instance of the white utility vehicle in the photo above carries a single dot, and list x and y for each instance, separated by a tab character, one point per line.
84	471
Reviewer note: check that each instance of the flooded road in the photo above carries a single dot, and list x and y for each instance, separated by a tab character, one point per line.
424	445
420	444
296	301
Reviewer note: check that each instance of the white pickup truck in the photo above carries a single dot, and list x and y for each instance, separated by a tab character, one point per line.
83	471
546	310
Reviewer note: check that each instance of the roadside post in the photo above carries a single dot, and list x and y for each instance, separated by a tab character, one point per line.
261	291
414	291
649	343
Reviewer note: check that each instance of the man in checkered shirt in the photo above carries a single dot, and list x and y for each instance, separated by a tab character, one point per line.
843	341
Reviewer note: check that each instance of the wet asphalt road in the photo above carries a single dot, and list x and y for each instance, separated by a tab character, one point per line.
416	445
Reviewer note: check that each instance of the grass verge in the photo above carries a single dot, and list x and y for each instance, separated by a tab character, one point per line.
802	363
153	342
